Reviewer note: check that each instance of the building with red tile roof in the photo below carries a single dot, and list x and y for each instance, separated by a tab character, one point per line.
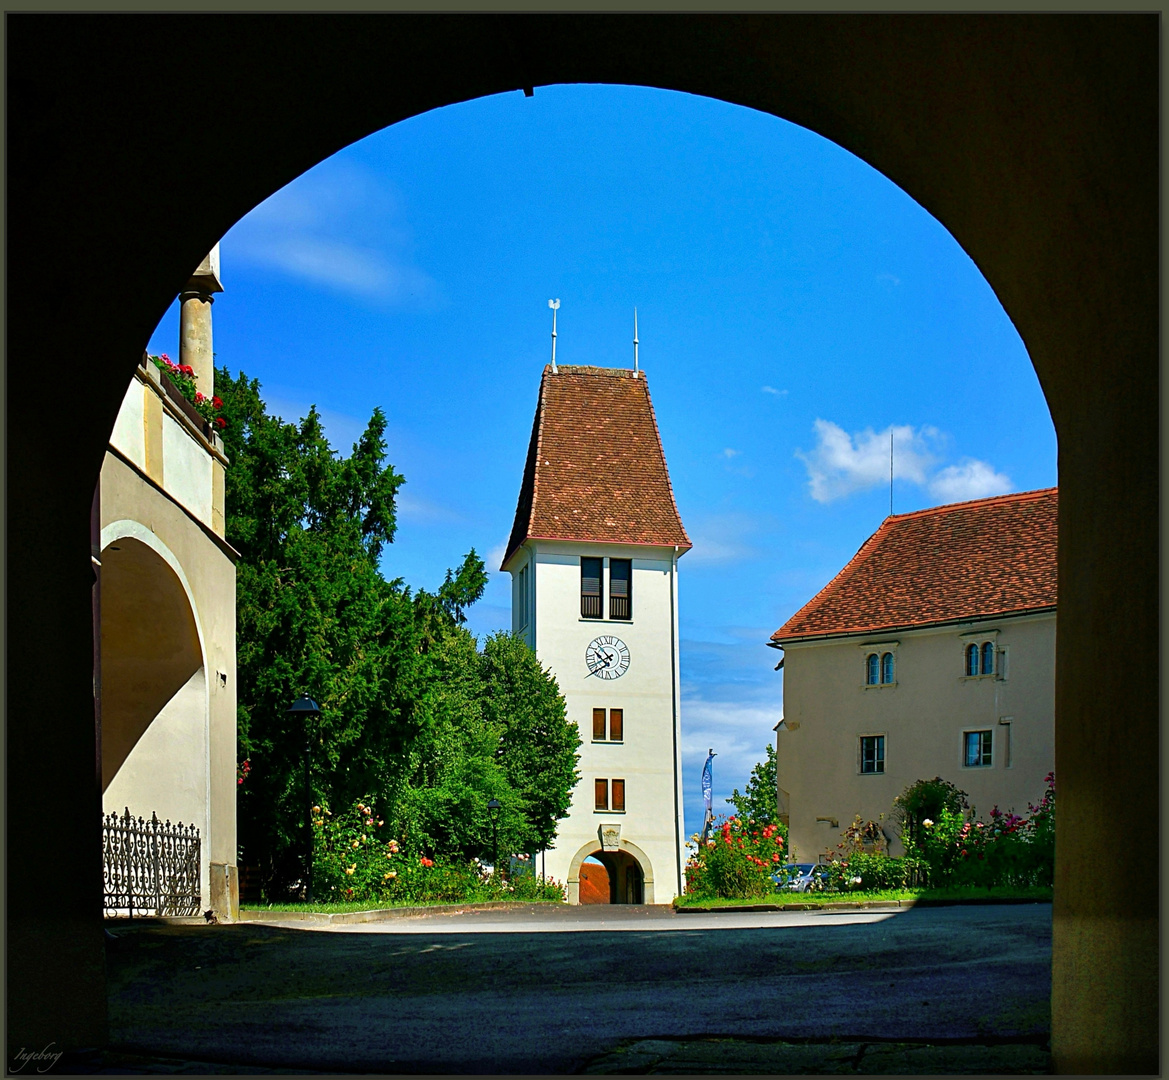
593	555
595	469
932	653
969	560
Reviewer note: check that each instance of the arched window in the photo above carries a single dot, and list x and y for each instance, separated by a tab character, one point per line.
874	669
988	658
887	668
971	659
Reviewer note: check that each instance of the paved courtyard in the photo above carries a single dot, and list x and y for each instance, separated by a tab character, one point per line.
596	989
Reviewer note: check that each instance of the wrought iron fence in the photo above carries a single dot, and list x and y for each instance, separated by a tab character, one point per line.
150	867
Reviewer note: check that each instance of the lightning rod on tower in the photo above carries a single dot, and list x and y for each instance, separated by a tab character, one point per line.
554	304
635	343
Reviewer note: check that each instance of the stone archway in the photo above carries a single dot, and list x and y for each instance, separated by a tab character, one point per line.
1033	139
155	713
629	872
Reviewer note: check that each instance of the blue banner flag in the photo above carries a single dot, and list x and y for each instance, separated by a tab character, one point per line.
707	779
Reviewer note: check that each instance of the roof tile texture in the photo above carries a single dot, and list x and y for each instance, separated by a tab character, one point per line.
596	470
968	560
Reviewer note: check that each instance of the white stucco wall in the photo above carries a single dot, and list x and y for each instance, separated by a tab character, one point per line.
186	469
922	714
129	434
648	758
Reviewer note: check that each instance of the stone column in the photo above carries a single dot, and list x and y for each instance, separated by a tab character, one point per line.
195	322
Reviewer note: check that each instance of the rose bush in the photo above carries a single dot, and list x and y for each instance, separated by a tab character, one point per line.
737	860
1009	849
354	860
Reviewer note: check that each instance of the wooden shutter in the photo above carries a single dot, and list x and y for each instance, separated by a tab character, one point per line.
598	724
616	724
601	794
618	794
620	588
590	588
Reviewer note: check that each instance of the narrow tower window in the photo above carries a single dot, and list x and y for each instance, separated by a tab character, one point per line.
619	795
598	725
988	658
971	659
601	794
887	668
620	589
617	724
873	672
590	587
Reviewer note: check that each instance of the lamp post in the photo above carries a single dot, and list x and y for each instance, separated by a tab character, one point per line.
493	809
308	709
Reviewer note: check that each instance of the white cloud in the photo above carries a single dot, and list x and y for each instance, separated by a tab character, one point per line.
495	557
423	511
890	278
339	265
729	453
338	227
842	464
971	480
718	538
772	390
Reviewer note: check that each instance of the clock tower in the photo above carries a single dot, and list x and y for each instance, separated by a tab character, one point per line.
593	557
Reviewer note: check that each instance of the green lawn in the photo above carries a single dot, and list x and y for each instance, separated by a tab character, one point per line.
1036	894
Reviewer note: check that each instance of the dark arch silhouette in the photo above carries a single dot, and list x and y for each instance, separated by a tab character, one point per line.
135	142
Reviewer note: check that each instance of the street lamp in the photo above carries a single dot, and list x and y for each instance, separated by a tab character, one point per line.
493	808
308	709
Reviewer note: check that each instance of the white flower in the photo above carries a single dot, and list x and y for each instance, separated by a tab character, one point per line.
928	822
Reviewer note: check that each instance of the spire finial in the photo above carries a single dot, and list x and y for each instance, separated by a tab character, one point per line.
635	369
554	304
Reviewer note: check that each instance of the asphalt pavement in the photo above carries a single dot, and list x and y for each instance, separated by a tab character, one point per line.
593	989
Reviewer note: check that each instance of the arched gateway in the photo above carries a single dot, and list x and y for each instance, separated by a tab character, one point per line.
594	556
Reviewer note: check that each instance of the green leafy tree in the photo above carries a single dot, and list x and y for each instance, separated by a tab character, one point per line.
759	802
538	745
315	616
412	714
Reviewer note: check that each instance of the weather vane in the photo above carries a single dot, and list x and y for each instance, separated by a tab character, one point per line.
554	304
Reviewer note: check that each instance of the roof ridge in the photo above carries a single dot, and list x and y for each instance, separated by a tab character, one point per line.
872	590
662	450
1010	496
817	601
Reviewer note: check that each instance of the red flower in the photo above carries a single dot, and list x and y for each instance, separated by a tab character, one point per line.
220	422
217	401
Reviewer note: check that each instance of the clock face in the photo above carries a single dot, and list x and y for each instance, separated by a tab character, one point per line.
607	657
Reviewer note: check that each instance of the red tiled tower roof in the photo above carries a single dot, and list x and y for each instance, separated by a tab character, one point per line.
968	560
595	470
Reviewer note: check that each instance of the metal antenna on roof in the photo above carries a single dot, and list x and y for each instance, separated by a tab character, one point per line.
890	470
635	343
554	304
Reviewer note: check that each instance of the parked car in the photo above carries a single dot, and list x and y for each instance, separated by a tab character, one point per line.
801	877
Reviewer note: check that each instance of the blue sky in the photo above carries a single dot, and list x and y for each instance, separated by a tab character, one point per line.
794	306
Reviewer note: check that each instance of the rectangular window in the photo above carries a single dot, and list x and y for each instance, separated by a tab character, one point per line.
977	749
616	724
598	725
590	588
620	588
872	753
601	794
522	599
619	795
